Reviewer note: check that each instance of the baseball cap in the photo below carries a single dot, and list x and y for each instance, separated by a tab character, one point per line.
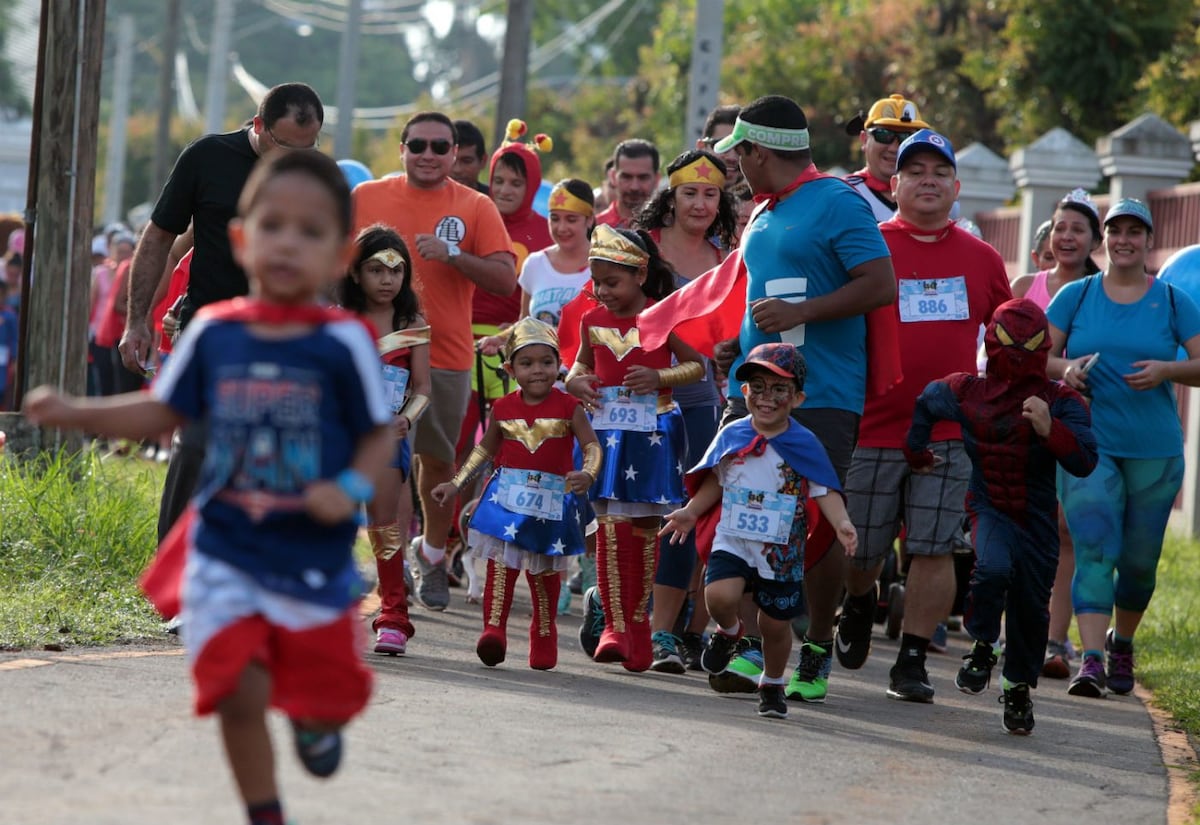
925	140
782	359
99	245
773	121
892	112
1132	207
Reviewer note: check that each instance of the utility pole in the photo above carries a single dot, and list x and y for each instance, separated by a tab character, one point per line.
114	166
343	140
166	101
57	301
704	81
218	67
514	68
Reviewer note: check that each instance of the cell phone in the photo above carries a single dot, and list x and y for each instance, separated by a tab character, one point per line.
1091	362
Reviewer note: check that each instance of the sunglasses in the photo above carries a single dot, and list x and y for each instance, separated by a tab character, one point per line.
285	145
417	146
886	137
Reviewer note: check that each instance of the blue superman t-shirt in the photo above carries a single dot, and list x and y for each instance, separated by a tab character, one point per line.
282	413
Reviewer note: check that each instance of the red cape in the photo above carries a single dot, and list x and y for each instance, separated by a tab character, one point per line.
711	307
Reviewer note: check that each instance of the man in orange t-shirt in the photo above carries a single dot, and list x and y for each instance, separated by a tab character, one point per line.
458	242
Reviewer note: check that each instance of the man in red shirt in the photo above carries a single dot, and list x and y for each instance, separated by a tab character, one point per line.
635	170
948	284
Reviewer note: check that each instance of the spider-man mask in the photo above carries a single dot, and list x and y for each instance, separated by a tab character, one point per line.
1017	341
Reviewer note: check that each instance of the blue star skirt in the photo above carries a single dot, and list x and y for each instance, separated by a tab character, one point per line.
644	468
518	541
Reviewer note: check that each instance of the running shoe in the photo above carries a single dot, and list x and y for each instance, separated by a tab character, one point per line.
1058	660
593	621
320	753
1120	665
1018	710
853	639
719	651
390	641
665	653
810	680
771	703
1090	681
743	673
908	680
976	673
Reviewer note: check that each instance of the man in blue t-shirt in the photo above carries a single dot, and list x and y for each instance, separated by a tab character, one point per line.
817	263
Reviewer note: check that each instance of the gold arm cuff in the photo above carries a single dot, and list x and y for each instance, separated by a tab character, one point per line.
593	458
475	462
577	369
414	408
684	373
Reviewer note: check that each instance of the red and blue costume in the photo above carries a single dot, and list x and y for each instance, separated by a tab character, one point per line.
1011	499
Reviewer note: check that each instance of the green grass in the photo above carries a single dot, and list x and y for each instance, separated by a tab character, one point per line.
75	532
1168	641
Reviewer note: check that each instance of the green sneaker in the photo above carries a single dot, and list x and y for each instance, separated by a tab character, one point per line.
810	681
741	676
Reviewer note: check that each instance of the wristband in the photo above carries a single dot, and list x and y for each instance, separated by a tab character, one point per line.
577	370
593	456
684	373
357	487
471	467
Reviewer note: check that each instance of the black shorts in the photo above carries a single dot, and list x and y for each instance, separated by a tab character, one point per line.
782	601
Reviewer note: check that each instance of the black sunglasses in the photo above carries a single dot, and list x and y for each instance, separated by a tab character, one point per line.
417	146
885	136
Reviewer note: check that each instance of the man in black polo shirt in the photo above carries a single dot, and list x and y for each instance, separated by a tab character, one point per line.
203	190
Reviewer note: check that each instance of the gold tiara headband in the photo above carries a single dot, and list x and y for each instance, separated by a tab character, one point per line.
610	245
388	257
698	171
563	200
527	332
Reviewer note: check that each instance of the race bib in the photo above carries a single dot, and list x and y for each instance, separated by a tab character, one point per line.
620	409
532	493
395	380
934	299
758	515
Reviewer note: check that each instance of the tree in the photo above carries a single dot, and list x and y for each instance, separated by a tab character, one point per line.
1075	65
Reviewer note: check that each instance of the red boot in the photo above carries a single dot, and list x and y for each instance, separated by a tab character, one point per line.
543	627
614	641
387	544
642	561
497	601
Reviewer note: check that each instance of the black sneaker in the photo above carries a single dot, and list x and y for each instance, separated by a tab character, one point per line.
593	621
976	672
718	653
852	643
771	702
691	645
666	658
1018	710
575	583
908	679
320	753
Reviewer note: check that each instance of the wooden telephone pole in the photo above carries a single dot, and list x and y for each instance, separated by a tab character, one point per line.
56	302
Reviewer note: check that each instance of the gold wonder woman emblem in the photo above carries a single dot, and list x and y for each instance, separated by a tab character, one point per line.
620	345
535	434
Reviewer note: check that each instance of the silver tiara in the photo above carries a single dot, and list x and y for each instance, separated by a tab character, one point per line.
1081	197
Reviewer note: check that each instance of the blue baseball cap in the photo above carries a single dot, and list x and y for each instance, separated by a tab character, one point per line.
925	140
1132	207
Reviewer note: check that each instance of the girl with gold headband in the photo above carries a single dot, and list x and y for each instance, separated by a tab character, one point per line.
379	288
692	221
533	509
628	391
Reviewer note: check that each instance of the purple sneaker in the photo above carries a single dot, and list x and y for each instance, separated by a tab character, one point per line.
1120	665
1090	680
390	641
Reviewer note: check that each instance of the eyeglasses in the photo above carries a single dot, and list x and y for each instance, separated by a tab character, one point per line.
777	392
885	136
417	146
283	144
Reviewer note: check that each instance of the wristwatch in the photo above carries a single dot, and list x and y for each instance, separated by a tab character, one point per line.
452	249
357	487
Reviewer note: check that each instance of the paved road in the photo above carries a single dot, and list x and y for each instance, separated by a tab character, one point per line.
104	737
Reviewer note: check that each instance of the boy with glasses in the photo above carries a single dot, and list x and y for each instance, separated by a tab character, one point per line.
459	244
880	132
749	503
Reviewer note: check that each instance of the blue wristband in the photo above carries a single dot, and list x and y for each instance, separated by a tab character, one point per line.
357	487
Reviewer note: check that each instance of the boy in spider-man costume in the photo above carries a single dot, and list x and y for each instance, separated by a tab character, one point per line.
1016	426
